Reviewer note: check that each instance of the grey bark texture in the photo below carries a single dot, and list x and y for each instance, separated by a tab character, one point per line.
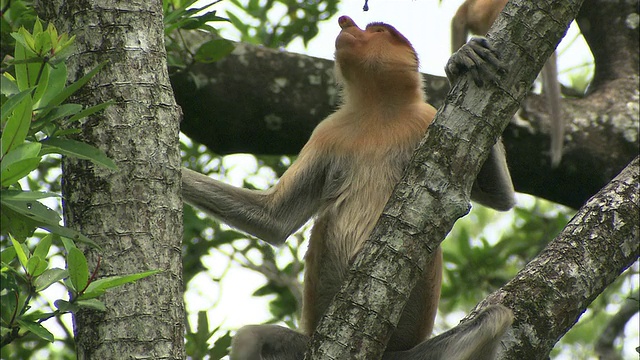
550	294
134	213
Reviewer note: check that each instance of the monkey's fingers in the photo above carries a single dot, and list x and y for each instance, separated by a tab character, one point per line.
477	57
461	62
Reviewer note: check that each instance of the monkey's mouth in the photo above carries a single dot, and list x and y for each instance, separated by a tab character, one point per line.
345	39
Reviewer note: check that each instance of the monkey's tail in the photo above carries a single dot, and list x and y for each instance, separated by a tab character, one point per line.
551	88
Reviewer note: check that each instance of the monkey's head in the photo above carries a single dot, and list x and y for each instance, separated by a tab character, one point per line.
377	50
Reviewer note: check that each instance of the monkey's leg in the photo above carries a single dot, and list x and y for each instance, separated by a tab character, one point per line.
477	339
268	342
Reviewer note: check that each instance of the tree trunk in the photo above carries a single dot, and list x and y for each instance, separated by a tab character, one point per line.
135	213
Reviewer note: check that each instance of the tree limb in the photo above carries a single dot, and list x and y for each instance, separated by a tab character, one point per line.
553	290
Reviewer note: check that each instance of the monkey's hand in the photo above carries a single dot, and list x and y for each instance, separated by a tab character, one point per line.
478	57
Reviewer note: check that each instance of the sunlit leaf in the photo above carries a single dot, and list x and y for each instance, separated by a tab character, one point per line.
94	304
77	149
37	329
36	265
113	281
49	277
12	102
78	269
21	251
17	127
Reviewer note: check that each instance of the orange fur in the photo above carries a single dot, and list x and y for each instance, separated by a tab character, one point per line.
373	135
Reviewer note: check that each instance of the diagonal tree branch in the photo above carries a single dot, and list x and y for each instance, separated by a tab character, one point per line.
553	290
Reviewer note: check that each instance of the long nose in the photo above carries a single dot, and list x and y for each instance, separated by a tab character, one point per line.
345	22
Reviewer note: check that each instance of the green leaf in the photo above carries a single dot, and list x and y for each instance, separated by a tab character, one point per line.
24	151
17	126
78	269
214	50
90	111
69	90
94	304
70	234
43	82
8	296
12	102
219	349
77	149
13	194
33	210
57	80
20	251
37	330
36	315
7	255
45	218
36	265
91	294
12	173
68	244
42	249
49	277
113	281
26	64
65	306
9	88
15	224
60	111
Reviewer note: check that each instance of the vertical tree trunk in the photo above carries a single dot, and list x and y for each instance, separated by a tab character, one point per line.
134	213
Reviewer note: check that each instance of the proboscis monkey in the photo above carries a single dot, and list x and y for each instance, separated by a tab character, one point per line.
343	177
476	17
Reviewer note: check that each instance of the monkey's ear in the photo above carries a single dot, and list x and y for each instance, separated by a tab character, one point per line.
479	58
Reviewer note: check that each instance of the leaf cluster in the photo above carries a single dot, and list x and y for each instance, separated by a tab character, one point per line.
180	15
276	23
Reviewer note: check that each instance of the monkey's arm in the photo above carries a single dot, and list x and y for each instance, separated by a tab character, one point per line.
270	215
459	29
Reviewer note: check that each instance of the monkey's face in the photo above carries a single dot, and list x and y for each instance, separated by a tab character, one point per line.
378	48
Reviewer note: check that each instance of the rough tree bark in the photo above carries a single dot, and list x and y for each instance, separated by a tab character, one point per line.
135	213
553	290
265	101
